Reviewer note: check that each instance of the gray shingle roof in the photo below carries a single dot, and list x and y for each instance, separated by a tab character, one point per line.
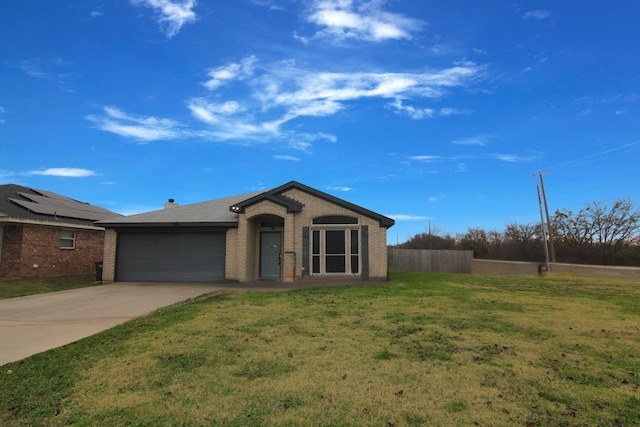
223	212
213	212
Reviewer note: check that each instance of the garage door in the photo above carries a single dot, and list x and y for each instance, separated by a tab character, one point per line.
170	257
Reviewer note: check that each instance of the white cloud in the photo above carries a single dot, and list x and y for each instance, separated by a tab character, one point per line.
514	158
290	158
418	113
44	68
480	140
360	20
427	159
275	96
172	15
342	189
141	128
407	217
413	112
64	172
537	14
229	72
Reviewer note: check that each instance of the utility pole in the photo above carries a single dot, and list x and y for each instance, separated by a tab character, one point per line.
552	250
544	233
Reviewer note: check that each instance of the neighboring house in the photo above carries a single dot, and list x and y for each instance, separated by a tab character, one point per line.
292	232
46	234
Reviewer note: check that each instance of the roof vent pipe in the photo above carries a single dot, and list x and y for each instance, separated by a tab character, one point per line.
170	204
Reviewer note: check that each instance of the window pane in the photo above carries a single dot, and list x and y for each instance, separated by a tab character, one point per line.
335	242
316	243
354	242
354	264
67	234
335	264
316	265
67	239
66	243
335	219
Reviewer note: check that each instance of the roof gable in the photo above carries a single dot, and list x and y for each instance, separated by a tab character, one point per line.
276	195
290	204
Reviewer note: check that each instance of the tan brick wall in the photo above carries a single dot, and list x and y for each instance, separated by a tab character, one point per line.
248	242
315	207
231	262
248	238
109	261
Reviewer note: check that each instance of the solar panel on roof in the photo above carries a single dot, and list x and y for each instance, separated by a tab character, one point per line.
34	207
62	206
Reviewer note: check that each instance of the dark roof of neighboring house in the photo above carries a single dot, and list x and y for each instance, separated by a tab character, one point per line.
23	203
223	212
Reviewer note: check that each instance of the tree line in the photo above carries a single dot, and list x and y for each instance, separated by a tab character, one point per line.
597	234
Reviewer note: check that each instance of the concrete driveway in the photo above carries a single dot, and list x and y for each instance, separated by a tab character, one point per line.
32	324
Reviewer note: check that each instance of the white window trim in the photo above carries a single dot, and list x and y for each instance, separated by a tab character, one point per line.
72	239
348	255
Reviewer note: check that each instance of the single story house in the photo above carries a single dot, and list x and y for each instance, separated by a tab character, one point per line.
45	234
292	232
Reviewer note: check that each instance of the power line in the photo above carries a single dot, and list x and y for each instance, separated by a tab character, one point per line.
602	153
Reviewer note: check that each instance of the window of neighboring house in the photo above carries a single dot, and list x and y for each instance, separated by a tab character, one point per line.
68	239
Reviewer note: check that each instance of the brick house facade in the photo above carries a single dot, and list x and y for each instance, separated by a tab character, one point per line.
290	233
35	251
43	234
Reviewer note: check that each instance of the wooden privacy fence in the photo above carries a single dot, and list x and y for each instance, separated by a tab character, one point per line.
431	260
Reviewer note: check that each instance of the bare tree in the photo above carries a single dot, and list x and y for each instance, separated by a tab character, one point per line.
476	239
522	238
597	225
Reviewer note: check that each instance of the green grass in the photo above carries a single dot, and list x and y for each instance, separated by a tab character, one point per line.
12	288
425	349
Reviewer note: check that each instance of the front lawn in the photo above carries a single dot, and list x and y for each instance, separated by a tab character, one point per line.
425	349
12	288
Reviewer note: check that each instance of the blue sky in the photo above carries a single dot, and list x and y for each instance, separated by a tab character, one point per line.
425	111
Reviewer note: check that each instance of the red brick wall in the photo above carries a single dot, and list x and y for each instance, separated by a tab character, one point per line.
11	251
34	251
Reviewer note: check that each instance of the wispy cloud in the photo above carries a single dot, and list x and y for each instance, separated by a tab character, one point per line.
285	157
360	20
514	158
341	189
230	72
252	103
141	128
426	159
537	14
44	68
480	140
171	15
408	217
63	172
2	112
418	113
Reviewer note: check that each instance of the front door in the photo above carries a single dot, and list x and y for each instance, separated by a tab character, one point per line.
270	254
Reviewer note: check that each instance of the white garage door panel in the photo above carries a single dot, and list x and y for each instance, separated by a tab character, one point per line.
170	257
